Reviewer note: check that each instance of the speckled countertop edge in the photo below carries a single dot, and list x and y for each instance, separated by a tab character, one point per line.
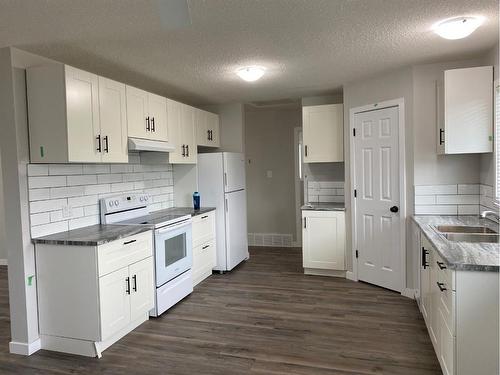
461	255
323	207
94	235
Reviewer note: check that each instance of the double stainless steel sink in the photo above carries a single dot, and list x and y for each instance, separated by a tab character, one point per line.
465	233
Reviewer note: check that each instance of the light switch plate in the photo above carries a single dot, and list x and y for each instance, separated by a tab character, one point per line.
269	174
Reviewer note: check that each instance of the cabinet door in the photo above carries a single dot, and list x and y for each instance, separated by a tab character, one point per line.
142	288
446	346
323	130
174	110
323	240
82	110
435	296
468	110
188	135
157	106
201	127
113	117
138	122
425	281
214	128
114	299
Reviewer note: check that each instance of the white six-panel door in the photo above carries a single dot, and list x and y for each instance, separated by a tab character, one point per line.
376	165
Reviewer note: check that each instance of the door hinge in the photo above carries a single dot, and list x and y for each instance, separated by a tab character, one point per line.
353	132
355	193
357	254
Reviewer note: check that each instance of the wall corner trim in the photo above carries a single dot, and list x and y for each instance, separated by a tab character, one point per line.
3	262
23	348
349	275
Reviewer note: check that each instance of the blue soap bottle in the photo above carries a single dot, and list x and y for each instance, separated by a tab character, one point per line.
196	200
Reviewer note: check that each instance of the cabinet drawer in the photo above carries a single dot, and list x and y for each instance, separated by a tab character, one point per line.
203	228
204	256
121	253
446	290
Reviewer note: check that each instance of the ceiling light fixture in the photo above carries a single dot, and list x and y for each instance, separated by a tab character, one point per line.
457	28
251	73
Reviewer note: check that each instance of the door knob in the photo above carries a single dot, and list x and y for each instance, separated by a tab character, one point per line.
394	209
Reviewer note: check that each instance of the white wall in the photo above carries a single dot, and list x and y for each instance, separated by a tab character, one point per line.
3	247
269	135
232	126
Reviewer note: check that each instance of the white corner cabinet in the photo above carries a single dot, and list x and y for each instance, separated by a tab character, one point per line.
181	127
323	242
91	296
146	115
460	309
75	116
323	133
207	128
465	111
204	252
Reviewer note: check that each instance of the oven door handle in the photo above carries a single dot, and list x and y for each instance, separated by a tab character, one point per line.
175	226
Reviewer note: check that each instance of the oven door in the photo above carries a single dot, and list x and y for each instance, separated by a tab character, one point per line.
173	251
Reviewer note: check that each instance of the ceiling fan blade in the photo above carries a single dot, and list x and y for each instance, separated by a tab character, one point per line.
174	14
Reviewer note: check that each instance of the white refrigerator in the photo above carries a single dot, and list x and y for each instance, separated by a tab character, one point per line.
221	183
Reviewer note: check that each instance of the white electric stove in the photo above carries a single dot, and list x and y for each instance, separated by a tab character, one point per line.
173	244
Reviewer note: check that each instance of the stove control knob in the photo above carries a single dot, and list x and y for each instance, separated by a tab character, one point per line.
146	198
141	199
110	203
117	203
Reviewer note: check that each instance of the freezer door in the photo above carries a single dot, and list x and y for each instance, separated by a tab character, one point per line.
236	228
234	171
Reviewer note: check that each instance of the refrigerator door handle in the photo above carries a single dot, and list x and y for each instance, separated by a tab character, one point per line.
225	179
225	204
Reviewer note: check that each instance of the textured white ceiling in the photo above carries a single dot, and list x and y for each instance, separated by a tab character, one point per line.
311	47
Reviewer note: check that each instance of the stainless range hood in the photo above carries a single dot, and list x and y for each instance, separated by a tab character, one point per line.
139	144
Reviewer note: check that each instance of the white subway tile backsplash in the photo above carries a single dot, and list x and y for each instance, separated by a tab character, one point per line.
436	210
468	189
435	189
39	194
48	181
39	219
82	180
66	196
471	209
46	229
96	168
47	205
84	222
38	169
457	199
425	199
325	191
66	192
487	191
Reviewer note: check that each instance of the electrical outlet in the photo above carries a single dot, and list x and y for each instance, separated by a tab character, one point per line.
66	211
269	174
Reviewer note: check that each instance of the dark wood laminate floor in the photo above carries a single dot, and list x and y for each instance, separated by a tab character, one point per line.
265	317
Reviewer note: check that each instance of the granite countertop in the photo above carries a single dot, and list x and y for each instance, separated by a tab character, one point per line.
323	207
469	256
186	211
94	235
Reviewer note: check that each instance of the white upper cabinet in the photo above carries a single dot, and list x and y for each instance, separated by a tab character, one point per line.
182	133
113	119
64	111
207	128
323	133
465	111
146	115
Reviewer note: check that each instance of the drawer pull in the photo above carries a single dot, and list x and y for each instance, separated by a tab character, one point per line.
204	217
129	242
204	247
441	265
441	286
127	285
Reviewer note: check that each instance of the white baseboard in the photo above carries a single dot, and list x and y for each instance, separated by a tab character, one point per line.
407	292
350	276
318	272
3	262
23	348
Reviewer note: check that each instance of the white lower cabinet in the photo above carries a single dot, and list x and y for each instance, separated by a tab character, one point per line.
91	296
323	237
460	309
204	251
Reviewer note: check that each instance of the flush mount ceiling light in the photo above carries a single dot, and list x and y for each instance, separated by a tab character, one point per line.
457	28
251	73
